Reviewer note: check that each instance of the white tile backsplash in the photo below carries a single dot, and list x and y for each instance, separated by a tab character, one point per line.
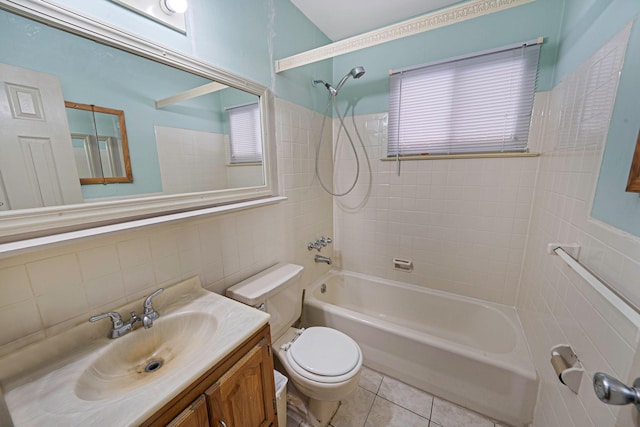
14	285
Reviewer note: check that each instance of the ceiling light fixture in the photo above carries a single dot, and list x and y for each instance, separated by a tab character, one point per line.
167	12
174	6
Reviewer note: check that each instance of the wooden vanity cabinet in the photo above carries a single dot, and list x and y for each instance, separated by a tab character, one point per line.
196	415
238	391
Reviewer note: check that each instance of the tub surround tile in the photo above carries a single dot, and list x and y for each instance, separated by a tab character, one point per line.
555	304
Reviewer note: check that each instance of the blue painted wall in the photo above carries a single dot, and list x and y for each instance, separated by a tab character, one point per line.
612	204
587	25
241	36
523	23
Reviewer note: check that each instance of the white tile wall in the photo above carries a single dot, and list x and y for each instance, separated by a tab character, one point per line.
463	223
191	160
555	304
45	291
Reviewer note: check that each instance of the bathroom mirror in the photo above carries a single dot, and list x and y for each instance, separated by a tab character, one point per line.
176	154
99	140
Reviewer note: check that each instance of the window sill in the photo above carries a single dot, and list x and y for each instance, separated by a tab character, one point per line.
459	156
233	165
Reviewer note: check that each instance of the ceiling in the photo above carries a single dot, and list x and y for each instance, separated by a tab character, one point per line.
339	19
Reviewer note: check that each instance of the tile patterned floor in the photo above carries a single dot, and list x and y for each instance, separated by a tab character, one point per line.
382	401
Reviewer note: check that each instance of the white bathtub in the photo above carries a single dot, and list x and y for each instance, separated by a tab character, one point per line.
464	350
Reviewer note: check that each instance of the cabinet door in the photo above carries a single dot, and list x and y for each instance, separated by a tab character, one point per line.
195	415
244	396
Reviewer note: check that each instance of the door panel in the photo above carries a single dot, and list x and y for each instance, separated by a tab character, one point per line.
36	155
240	398
195	415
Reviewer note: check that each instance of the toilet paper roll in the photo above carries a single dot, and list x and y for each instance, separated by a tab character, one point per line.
559	365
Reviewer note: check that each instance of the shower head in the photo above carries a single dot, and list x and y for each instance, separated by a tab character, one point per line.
356	73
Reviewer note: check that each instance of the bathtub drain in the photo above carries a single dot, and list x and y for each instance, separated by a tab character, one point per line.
153	366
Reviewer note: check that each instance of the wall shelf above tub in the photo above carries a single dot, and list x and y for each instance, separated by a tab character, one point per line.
430	21
27	245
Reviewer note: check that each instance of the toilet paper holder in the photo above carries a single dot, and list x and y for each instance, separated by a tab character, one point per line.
567	366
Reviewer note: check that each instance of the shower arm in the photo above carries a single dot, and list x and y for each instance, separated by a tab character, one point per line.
342	82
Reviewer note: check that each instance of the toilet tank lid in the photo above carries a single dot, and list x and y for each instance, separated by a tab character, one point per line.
256	289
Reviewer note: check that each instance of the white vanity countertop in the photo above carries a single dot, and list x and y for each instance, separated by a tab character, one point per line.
40	381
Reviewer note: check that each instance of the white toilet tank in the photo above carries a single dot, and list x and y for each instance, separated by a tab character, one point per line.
279	288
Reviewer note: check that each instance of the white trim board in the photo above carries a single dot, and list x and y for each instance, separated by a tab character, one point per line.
191	93
430	21
38	243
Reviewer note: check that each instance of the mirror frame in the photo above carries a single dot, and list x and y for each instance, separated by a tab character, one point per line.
37	222
633	184
128	174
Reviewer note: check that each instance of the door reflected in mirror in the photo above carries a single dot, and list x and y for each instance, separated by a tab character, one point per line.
99	139
178	133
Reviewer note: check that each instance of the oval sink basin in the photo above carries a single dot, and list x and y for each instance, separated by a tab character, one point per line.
144	355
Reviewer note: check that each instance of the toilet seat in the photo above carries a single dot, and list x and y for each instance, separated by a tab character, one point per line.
324	355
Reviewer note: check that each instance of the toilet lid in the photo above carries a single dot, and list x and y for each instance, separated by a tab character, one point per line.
325	351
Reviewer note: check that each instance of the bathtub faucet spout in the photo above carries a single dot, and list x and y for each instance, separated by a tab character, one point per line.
320	258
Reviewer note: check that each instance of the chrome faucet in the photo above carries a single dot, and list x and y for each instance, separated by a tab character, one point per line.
320	258
150	314
120	328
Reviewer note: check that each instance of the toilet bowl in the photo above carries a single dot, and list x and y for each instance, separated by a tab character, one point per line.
323	364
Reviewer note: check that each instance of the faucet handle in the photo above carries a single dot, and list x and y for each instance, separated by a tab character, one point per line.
115	318
148	304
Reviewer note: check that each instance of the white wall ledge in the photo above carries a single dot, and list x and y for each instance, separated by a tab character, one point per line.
26	245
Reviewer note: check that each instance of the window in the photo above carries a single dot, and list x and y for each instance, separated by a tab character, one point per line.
479	103
245	133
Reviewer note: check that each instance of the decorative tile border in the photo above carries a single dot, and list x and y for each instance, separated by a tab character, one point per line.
430	21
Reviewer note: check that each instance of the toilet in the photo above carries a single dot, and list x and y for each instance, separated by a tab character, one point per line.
323	363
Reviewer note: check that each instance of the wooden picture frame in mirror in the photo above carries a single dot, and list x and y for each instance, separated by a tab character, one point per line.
103	155
633	184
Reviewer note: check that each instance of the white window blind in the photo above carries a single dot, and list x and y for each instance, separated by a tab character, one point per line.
479	103
245	133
